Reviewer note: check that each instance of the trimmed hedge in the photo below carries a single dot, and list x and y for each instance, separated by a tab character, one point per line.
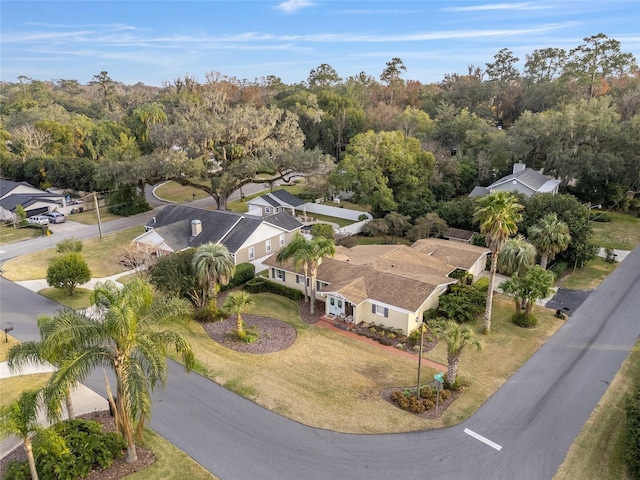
244	273
259	285
524	320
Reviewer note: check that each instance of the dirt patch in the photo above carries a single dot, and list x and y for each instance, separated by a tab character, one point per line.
117	470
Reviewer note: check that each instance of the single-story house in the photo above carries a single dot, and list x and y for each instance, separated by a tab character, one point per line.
392	285
523	179
247	237
32	199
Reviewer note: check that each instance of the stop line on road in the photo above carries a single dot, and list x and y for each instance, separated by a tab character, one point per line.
484	440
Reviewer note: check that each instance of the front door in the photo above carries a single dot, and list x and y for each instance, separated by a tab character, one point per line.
336	305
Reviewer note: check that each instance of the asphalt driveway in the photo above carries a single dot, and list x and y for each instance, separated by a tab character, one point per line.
568	300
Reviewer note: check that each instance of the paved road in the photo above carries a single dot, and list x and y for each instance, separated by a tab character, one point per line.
532	419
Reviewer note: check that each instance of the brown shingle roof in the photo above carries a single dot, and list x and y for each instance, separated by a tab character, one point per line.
393	274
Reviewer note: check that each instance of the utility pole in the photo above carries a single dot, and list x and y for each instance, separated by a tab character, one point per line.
95	200
420	357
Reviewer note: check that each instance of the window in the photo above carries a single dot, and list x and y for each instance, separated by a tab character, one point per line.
282	240
332	301
277	209
252	253
267	209
268	245
380	310
320	285
279	274
300	279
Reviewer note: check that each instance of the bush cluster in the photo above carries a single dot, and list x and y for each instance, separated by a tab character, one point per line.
411	403
524	320
559	268
69	245
88	448
463	303
244	273
259	285
632	440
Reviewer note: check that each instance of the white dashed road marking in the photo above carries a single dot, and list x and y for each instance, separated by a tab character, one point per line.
484	440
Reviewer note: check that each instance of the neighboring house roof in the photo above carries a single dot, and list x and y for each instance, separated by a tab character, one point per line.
7	186
10	202
173	225
458	234
456	254
392	274
522	179
279	198
479	192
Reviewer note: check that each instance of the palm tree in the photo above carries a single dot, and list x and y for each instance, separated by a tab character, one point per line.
213	266
550	236
123	336
21	418
319	247
41	352
498	214
457	337
516	256
298	251
239	302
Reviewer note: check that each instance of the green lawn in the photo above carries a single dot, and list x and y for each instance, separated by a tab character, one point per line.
100	254
171	463
81	297
588	277
598	451
622	232
301	381
9	233
174	192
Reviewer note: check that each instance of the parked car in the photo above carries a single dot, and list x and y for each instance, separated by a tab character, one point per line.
55	217
38	220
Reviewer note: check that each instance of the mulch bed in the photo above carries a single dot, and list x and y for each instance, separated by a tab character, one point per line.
117	470
386	394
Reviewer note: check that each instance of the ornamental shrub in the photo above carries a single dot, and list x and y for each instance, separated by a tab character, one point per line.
69	245
258	285
524	320
244	273
88	448
632	434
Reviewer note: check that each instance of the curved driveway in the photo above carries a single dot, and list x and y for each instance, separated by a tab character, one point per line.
531	421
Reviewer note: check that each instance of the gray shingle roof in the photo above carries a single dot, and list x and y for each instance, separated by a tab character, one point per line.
528	177
231	229
287	198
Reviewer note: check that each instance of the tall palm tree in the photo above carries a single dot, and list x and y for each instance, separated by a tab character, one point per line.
498	215
516	256
21	418
41	352
550	236
319	248
123	335
457	337
239	302
213	266
298	251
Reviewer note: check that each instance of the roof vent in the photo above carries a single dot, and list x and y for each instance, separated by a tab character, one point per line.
196	228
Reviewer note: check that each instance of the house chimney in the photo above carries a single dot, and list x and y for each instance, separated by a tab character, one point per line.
196	228
518	167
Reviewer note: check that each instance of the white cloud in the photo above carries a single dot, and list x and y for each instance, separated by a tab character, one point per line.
497	6
291	6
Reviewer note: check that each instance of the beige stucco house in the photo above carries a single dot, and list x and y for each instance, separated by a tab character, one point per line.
391	285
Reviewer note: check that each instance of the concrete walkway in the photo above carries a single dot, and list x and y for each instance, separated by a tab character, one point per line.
37	285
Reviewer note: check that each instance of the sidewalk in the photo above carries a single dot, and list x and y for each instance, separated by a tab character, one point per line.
37	285
84	401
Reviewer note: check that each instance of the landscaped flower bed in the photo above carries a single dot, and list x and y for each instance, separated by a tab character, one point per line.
425	405
395	338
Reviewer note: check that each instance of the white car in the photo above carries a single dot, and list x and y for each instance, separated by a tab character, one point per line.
38	220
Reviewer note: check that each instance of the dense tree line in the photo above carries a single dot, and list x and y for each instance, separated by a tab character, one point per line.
399	145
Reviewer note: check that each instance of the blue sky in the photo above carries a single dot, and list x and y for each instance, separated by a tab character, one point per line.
155	41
